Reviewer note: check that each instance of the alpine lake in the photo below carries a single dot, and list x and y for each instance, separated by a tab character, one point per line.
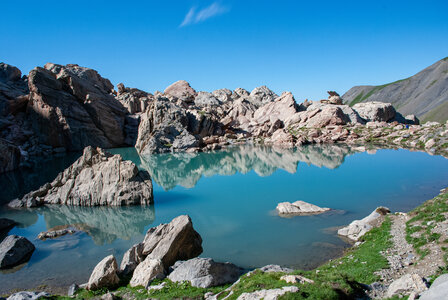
231	196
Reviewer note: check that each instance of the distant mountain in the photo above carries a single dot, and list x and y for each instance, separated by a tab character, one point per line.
425	94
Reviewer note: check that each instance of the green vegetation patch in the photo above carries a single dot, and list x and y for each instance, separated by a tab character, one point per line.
419	229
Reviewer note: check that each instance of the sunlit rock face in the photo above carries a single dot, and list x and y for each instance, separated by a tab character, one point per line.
186	169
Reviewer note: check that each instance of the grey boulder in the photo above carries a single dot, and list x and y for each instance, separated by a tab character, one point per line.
205	272
147	271
438	290
174	241
375	111
25	295
96	178
104	274
14	250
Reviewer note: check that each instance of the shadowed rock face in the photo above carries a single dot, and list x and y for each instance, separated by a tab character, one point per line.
186	169
13	90
73	107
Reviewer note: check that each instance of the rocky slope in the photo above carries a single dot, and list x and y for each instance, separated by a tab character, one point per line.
61	108
425	94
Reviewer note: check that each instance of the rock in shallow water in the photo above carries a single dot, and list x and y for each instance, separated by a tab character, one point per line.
205	272
96	178
14	250
358	228
299	208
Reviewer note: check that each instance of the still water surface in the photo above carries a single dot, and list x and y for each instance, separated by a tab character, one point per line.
231	197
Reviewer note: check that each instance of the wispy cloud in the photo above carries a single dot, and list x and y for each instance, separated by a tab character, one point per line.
194	17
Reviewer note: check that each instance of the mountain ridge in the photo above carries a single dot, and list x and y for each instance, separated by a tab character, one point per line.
424	94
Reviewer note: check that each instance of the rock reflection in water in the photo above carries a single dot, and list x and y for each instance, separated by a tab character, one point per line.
103	224
186	169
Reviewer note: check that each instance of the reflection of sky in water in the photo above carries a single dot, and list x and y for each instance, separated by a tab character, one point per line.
234	213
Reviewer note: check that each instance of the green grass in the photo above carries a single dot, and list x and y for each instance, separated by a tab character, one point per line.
424	218
337	279
357	99
360	98
431	84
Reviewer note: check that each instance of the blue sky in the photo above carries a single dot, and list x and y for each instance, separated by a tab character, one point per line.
306	47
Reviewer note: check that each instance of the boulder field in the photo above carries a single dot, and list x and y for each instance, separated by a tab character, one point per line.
59	108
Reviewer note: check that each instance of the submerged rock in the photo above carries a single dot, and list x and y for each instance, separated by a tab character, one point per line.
96	178
104	274
14	250
299	208
205	272
358	228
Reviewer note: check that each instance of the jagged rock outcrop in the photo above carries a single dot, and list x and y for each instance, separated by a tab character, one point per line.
299	208
104	274
10	156
358	228
174	241
205	272
280	109
261	96
375	111
223	95
206	99
132	99
164	127
161	248
15	250
131	259
181	90
13	90
96	178
74	107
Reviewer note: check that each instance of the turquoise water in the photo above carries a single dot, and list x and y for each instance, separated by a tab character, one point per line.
231	197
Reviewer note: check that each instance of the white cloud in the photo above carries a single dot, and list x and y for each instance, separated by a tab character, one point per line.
193	17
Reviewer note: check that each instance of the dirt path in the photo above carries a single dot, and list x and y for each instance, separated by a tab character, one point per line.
403	258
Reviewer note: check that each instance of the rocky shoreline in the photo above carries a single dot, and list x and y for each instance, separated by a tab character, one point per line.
58	108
